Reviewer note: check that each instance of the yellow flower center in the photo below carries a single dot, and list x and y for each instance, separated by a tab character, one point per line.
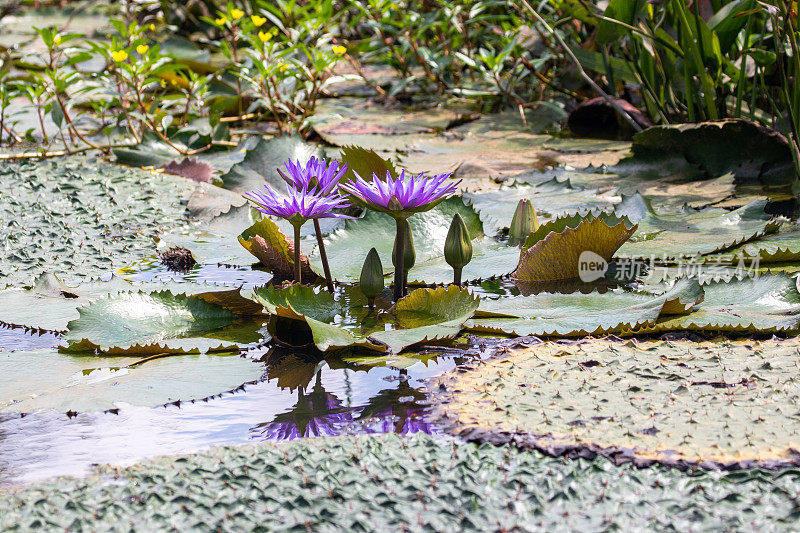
119	55
142	49
236	13
258	21
339	50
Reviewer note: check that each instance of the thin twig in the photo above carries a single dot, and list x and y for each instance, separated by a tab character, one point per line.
582	72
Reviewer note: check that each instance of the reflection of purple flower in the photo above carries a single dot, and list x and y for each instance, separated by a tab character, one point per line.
398	420
316	414
315	173
403	196
297	205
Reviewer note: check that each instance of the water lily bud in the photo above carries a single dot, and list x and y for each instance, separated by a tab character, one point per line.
371	281
524	221
410	256
457	247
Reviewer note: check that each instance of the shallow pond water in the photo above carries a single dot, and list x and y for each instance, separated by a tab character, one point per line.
301	394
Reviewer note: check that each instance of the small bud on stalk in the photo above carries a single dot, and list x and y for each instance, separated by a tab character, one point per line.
523	223
457	247
371	281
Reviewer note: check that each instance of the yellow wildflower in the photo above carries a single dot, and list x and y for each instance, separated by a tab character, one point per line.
119	55
142	49
339	50
57	40
152	27
221	21
258	21
264	36
236	13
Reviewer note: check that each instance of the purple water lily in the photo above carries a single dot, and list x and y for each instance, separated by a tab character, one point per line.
315	173
403	196
297	206
325	177
400	198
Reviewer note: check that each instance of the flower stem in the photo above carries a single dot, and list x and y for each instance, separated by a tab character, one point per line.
324	256
297	253
457	276
399	270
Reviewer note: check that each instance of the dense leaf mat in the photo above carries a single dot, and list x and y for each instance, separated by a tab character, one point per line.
387	483
82	217
726	403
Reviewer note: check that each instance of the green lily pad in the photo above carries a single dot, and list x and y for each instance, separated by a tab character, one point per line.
557	249
687	233
344	319
551	199
767	303
778	247
348	247
260	163
574	315
146	323
82	383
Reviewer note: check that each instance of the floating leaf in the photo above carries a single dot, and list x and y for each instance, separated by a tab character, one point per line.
344	319
666	236
365	163
744	148
137	322
429	315
81	383
639	401
81	217
348	247
192	169
784	245
767	303
551	199
557	249
260	163
574	315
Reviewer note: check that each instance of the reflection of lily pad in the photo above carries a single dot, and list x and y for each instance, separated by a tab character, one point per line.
557	249
348	247
50	380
